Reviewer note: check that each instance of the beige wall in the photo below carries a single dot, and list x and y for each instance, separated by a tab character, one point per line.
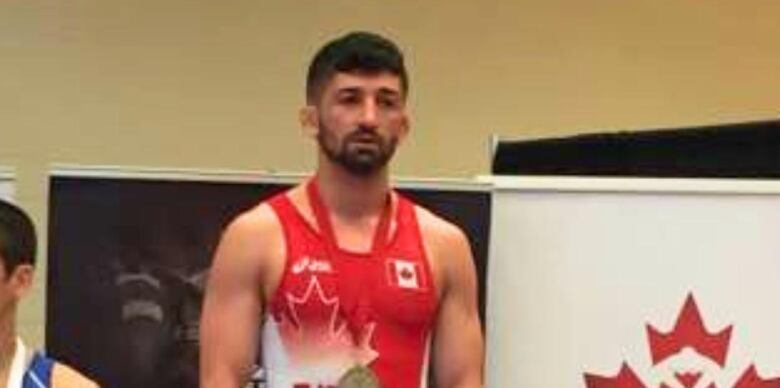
216	84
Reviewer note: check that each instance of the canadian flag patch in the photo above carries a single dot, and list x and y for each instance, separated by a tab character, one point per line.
406	274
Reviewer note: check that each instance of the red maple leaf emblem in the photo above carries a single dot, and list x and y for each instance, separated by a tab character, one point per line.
314	332
626	378
688	332
687	379
750	379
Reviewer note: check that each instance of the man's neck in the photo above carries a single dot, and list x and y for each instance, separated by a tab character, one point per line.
7	345
352	196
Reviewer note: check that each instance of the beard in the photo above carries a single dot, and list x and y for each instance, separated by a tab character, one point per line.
362	152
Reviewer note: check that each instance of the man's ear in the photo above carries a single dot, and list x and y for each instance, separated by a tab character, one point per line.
406	126
21	280
310	120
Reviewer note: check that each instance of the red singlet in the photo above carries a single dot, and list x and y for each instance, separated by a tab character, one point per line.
332	313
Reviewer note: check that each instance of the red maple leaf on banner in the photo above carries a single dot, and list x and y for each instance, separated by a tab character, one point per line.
626	378
750	379
688	332
687	379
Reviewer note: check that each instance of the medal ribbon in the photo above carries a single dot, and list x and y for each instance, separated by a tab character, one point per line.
358	310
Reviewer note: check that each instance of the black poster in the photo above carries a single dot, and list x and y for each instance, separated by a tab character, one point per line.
128	260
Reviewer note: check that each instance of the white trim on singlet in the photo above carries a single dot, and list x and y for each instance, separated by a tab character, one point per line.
18	365
426	363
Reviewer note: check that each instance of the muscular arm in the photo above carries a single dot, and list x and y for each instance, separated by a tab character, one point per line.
457	340
63	376
233	302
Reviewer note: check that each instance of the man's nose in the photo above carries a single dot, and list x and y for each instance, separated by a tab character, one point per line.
369	115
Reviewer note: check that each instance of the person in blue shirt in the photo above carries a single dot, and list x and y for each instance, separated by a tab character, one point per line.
21	367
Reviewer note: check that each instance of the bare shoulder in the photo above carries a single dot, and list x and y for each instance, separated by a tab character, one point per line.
257	221
64	376
440	233
256	233
261	220
251	251
447	249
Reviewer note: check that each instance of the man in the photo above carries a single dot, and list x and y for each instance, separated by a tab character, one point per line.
352	284
20	367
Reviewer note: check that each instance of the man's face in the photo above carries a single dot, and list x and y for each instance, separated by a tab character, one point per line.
6	292
13	286
360	120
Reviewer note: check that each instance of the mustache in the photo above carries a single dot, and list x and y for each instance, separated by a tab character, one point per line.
362	133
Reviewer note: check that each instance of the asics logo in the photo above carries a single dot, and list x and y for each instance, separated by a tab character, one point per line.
311	264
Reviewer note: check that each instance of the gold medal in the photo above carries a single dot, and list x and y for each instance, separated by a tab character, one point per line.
359	376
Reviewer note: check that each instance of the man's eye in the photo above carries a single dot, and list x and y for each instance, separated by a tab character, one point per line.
349	100
388	103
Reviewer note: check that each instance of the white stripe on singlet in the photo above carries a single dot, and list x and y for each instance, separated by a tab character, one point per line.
426	363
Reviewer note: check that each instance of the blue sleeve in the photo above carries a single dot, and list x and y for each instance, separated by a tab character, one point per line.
38	374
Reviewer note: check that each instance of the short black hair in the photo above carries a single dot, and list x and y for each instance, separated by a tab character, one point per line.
18	242
358	51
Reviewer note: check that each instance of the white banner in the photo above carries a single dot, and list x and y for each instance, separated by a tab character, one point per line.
7	187
631	283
